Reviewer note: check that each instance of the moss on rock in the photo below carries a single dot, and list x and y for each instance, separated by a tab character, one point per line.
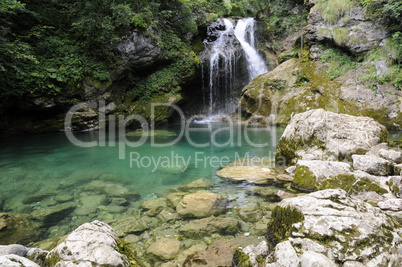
281	225
305	179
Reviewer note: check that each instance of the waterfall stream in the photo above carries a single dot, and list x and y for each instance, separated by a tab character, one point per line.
233	62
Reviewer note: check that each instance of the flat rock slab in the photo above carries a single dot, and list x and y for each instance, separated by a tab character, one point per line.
391	204
252	174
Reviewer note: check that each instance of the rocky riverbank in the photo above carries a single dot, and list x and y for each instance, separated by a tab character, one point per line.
354	219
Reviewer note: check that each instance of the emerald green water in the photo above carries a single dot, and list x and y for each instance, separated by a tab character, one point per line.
52	165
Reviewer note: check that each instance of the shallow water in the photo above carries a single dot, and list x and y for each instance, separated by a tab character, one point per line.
54	166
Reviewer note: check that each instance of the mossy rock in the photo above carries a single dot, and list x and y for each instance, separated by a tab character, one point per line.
241	259
281	225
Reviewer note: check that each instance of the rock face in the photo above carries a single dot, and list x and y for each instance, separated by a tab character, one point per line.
139	51
336	228
311	136
202	204
347	26
93	243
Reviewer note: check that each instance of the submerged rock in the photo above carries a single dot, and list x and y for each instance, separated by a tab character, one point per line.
165	248
201	183
311	136
51	216
219	253
209	226
18	229
94	243
202	204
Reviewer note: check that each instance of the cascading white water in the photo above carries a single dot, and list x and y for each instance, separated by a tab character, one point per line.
245	34
226	45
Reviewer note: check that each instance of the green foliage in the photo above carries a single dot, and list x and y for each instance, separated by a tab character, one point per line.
333	10
341	35
339	63
389	11
391	52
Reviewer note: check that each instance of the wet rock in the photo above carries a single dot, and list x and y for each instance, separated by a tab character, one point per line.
37	197
16	261
250	213
219	253
165	248
201	183
310	136
209	226
90	204
130	226
395	185
372	164
332	223
394	204
252	174
190	251
202	204
175	198
168	215
94	243
18	229
51	216
154	206
111	190
391	155
63	198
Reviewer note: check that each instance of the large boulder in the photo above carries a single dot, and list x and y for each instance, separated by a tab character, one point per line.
298	85
312	175
202	204
323	135
94	243
372	164
337	226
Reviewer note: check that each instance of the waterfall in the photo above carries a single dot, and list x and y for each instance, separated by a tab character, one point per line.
245	34
228	49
